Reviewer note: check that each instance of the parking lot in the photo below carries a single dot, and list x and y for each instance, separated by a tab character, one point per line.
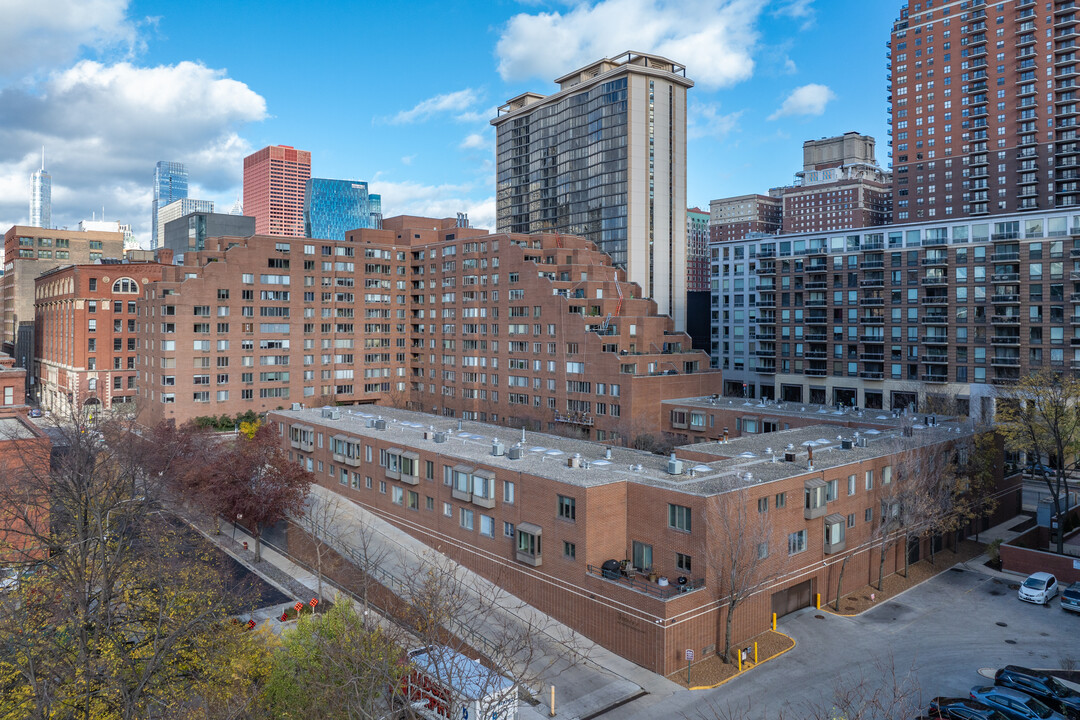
943	630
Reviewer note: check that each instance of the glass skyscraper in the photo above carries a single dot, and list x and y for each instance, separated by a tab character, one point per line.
333	207
170	185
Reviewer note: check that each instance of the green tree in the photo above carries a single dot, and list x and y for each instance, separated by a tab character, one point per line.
335	666
1040	416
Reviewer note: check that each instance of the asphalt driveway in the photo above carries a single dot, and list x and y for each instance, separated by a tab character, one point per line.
944	630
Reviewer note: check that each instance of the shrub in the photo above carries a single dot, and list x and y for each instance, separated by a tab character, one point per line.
994	551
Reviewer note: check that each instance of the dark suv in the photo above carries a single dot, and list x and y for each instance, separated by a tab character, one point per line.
961	708
1041	686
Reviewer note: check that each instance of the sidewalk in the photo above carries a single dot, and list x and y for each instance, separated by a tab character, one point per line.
588	679
978	564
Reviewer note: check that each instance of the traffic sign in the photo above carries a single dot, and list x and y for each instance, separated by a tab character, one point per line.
314	602
298	606
251	624
690	655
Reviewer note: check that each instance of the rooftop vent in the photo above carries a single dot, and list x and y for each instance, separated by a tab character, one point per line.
845	444
674	466
574	460
514	453
440	436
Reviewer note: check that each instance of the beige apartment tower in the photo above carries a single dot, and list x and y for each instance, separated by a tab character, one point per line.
604	158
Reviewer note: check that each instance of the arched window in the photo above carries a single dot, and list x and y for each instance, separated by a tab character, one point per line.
125	285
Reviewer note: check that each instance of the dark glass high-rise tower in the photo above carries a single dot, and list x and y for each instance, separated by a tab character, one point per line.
170	184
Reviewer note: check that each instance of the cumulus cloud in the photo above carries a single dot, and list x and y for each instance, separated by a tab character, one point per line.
457	103
707	121
45	34
439	201
715	42
104	126
806	100
795	9
475	141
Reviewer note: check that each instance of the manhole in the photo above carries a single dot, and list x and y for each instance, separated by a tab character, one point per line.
1001	624
820	617
1010	642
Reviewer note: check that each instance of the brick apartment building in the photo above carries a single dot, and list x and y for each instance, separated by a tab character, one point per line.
88	332
533	330
545	515
983	109
735	218
894	316
24	448
28	252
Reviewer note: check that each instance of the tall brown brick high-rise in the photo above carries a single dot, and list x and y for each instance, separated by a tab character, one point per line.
983	108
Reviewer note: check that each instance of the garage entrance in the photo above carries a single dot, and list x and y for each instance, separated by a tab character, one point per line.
793	598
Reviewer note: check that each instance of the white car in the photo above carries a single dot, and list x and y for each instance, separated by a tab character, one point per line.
1039	588
9	579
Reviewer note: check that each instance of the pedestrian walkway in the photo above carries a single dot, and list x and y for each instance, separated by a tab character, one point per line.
588	679
1000	531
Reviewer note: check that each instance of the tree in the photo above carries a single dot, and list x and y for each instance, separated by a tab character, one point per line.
255	480
737	551
1040	416
321	521
334	665
126	618
981	458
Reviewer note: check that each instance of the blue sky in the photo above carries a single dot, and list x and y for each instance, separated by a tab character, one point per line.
400	94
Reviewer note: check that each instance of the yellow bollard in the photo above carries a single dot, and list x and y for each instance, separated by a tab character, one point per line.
818	601
755	653
739	652
774	622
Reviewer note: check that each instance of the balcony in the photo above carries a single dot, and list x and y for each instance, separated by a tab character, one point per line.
816	303
872	319
872	301
816	285
1005	277
762	352
1004	380
872	283
765	337
935	378
934	280
766	269
769	303
767	319
1004	319
872	264
936	319
1008	256
817	320
639	582
816	266
816	337
816	372
872	357
935	300
935	339
872	375
765	369
872	339
1004	339
1005	299
935	261
816	355
1001	237
997	361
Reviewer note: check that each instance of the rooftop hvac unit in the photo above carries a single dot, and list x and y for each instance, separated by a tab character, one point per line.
845	444
330	413
440	436
497	449
674	467
789	456
297	406
574	461
513	453
380	424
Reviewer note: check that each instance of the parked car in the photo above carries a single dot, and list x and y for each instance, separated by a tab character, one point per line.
1013	704
1034	468
36	413
1042	686
9	579
1070	598
1039	588
963	708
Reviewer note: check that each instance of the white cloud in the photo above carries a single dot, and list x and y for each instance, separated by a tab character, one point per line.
457	103
475	141
806	100
104	126
795	9
42	34
707	121
715	41
408	159
438	201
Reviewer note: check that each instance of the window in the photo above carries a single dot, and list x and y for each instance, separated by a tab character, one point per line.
567	508
781	500
642	556
528	544
508	492
831	490
679	517
508	529
397	495
796	542
869	479
851	485
682	562
886	475
569	550
447	509
487	526
763	504
466	519
763	550
868	515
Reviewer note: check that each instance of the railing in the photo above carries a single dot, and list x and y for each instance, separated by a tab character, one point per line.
642	584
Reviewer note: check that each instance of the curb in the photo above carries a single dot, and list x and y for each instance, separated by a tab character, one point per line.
743	672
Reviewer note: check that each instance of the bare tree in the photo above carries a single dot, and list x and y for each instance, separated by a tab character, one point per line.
737	551
1040	415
